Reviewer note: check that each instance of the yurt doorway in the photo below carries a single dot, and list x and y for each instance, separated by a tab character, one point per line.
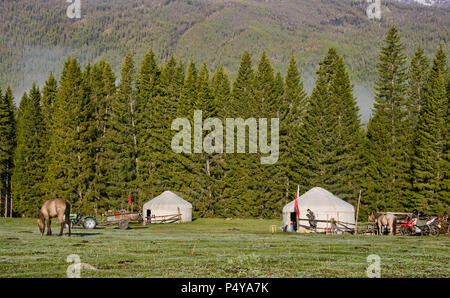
148	216
293	222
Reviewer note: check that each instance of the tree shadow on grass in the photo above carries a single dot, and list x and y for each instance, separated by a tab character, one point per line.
84	234
131	228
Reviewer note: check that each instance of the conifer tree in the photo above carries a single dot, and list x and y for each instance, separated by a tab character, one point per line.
266	179
29	157
7	148
417	77
237	174
430	144
71	168
444	192
328	149
188	163
172	82
386	149
49	93
48	102
221	89
102	81
121	139
202	171
291	111
149	125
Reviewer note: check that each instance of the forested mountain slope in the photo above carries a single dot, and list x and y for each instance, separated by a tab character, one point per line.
37	36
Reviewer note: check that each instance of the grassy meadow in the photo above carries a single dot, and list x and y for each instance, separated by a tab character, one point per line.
214	248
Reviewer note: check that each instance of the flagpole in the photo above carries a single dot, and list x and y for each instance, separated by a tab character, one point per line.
298	209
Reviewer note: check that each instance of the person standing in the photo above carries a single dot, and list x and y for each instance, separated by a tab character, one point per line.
311	216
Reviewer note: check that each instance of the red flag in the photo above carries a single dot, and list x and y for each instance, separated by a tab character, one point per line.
296	202
129	199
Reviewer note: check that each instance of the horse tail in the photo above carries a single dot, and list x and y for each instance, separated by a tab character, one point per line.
394	226
67	214
67	211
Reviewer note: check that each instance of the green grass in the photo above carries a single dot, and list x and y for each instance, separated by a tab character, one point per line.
214	248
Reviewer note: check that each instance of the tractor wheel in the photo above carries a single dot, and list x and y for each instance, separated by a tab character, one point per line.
123	224
89	223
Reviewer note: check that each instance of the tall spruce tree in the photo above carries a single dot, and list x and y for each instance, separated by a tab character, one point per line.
7	148
328	149
266	180
149	126
444	192
71	168
291	111
173	165
428	170
103	89
121	139
49	93
417	77
48	103
29	157
221	89
202	169
237	173
387	141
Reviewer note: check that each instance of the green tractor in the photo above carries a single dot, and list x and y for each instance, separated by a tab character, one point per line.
87	221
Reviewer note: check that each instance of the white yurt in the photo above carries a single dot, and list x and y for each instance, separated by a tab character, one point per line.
163	208
324	205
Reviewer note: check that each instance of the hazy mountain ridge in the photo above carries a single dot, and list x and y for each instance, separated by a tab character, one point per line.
37	36
444	3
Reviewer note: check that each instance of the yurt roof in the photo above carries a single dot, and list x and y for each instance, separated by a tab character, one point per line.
319	200
166	199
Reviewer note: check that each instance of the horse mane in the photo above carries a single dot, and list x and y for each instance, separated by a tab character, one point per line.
376	214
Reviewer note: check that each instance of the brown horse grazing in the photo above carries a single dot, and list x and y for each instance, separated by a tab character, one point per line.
54	208
387	220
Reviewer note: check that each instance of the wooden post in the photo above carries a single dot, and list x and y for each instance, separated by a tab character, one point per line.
338	222
10	202
6	203
357	212
179	214
144	216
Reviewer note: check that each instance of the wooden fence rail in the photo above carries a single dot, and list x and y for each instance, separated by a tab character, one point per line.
169	218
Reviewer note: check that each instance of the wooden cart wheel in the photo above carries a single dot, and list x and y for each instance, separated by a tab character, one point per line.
123	224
